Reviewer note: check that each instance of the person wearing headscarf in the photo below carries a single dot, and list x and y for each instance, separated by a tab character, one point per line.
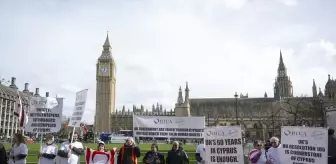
153	156
177	155
273	153
129	152
100	155
48	151
257	155
19	150
69	153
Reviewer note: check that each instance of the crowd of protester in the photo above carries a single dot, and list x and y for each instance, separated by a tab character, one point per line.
70	151
269	153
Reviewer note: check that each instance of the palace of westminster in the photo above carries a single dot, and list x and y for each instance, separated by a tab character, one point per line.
261	116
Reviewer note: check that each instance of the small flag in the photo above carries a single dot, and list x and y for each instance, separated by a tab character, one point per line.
20	113
86	129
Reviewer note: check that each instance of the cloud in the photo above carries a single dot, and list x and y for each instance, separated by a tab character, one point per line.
219	47
290	2
234	4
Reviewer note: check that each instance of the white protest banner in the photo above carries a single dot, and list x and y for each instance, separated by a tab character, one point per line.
77	115
168	126
304	145
45	115
224	145
331	116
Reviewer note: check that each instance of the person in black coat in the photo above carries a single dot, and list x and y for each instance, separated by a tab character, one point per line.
3	154
331	146
129	153
153	156
177	155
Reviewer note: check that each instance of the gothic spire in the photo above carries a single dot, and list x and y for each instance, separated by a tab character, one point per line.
106	54
320	94
107	42
180	96
314	85
186	99
281	63
314	89
282	71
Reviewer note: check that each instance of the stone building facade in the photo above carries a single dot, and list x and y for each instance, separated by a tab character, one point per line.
123	120
262	117
8	97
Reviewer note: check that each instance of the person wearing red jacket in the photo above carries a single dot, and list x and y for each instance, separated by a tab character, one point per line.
129	153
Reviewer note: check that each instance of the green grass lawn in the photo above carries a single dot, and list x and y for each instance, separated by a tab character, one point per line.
33	150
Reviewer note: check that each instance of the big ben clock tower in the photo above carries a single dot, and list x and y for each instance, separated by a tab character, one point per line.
105	90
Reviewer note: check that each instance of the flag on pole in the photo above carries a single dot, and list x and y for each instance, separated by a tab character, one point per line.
20	113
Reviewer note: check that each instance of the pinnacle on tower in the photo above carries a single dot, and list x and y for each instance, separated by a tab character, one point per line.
314	85
186	99
314	89
107	46
107	41
281	63
187	88
180	96
281	60
106	53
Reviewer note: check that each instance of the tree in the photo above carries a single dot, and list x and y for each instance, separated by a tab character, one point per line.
318	111
273	119
298	108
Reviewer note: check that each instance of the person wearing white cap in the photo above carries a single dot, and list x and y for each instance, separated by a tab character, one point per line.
100	156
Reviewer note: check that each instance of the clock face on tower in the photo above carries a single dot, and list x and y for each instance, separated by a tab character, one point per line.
104	69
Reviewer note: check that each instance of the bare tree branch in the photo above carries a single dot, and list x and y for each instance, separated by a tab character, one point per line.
299	108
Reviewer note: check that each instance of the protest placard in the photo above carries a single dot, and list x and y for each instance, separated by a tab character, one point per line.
304	145
45	115
223	145
77	115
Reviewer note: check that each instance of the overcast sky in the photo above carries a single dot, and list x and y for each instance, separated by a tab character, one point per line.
219	46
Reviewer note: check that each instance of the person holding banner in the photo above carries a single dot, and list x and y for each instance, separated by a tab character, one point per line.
19	150
48	151
200	153
100	156
257	155
273	153
69	153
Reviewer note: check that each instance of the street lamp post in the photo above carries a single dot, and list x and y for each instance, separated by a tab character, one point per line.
208	118
236	98
324	118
